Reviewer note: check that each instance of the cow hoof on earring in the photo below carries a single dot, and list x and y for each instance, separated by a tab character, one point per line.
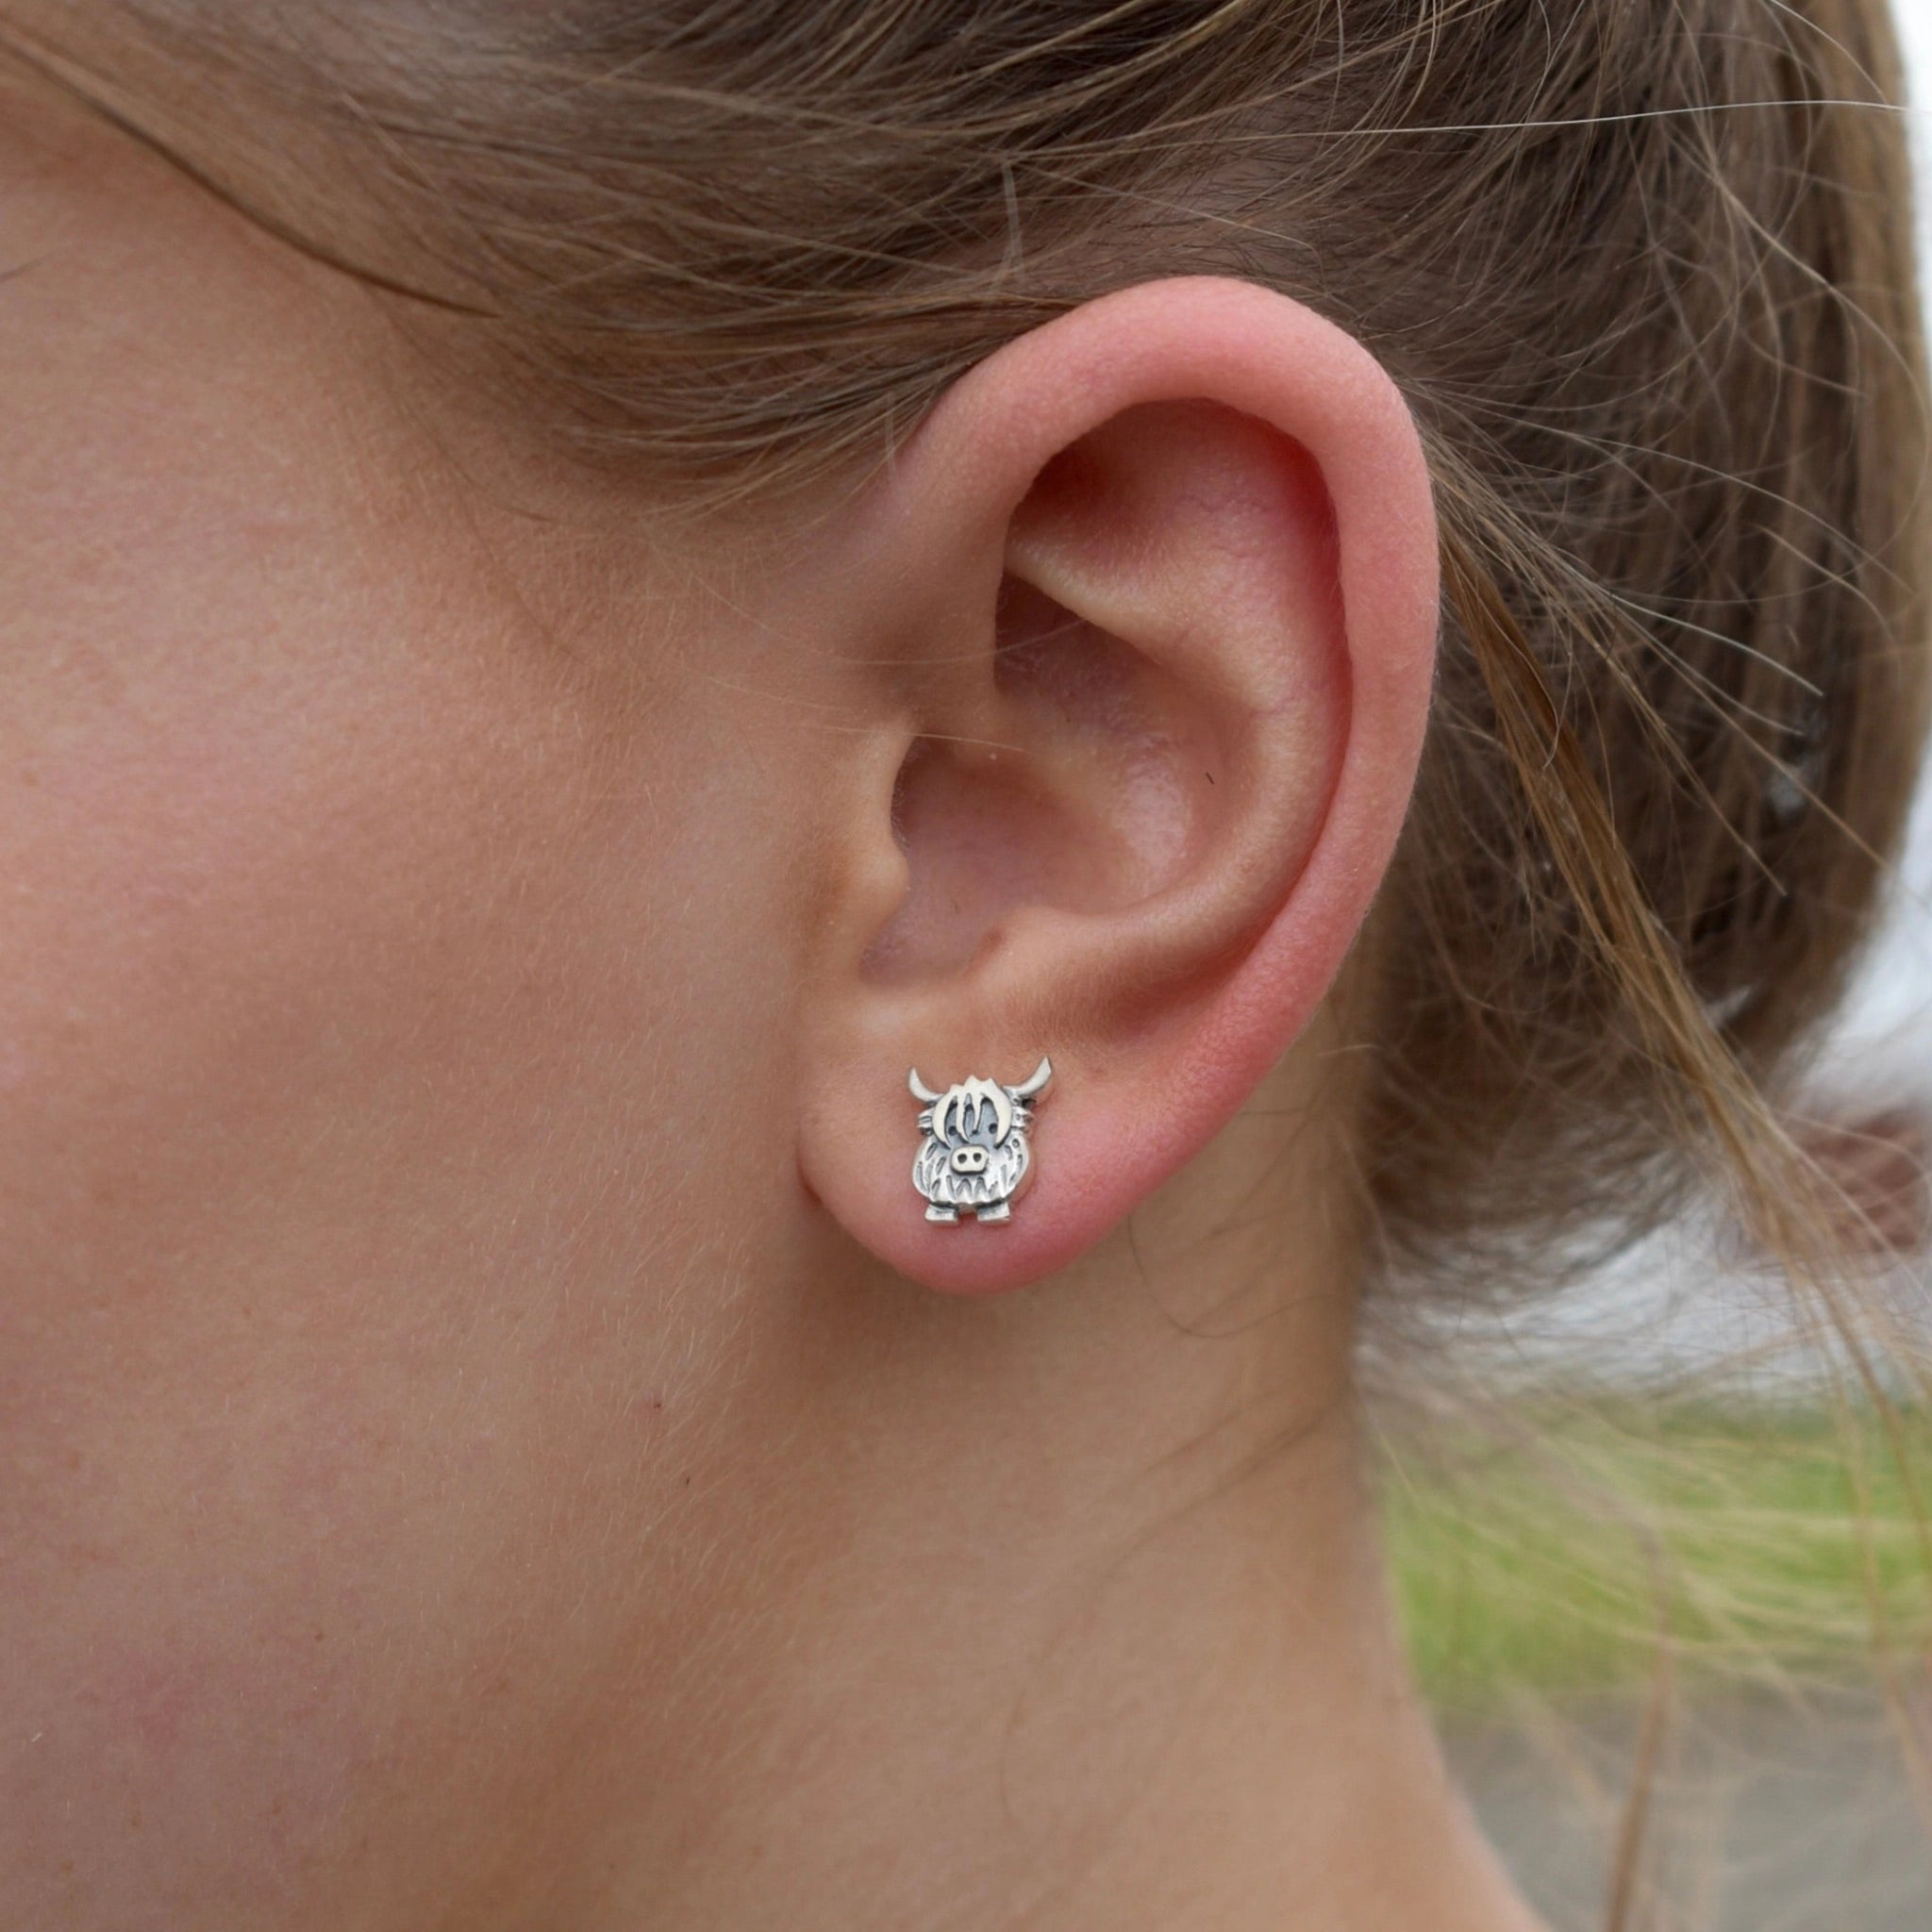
973	1157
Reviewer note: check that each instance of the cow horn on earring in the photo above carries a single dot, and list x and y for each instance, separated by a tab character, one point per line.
1035	1082
974	1156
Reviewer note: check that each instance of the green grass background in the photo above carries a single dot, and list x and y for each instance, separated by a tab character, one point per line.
1755	1546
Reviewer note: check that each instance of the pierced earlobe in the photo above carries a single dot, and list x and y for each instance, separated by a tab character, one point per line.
975	1158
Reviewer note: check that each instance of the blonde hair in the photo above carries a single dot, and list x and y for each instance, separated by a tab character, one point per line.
1641	268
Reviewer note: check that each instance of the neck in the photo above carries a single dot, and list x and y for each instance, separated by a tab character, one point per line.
1095	1635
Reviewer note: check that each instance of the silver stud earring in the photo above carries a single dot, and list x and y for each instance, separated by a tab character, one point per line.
975	1158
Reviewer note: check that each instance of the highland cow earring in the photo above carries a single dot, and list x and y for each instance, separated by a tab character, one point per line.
975	1158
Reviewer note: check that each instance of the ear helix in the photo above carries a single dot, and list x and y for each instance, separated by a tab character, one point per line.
973	1157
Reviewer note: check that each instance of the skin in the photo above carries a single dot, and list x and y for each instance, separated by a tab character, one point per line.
487	1436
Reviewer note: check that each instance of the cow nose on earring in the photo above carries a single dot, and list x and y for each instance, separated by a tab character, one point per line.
969	1160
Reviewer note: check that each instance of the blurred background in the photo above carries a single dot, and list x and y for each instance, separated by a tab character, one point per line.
1661	1562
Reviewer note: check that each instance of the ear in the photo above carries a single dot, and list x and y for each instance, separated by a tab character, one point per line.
1147	610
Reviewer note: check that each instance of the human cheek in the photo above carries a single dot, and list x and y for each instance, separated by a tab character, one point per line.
231	932
337	964
353	1109
372	1174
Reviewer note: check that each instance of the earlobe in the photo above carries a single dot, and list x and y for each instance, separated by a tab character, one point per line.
1159	590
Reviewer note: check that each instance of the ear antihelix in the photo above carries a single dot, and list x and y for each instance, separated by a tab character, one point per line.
975	1155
